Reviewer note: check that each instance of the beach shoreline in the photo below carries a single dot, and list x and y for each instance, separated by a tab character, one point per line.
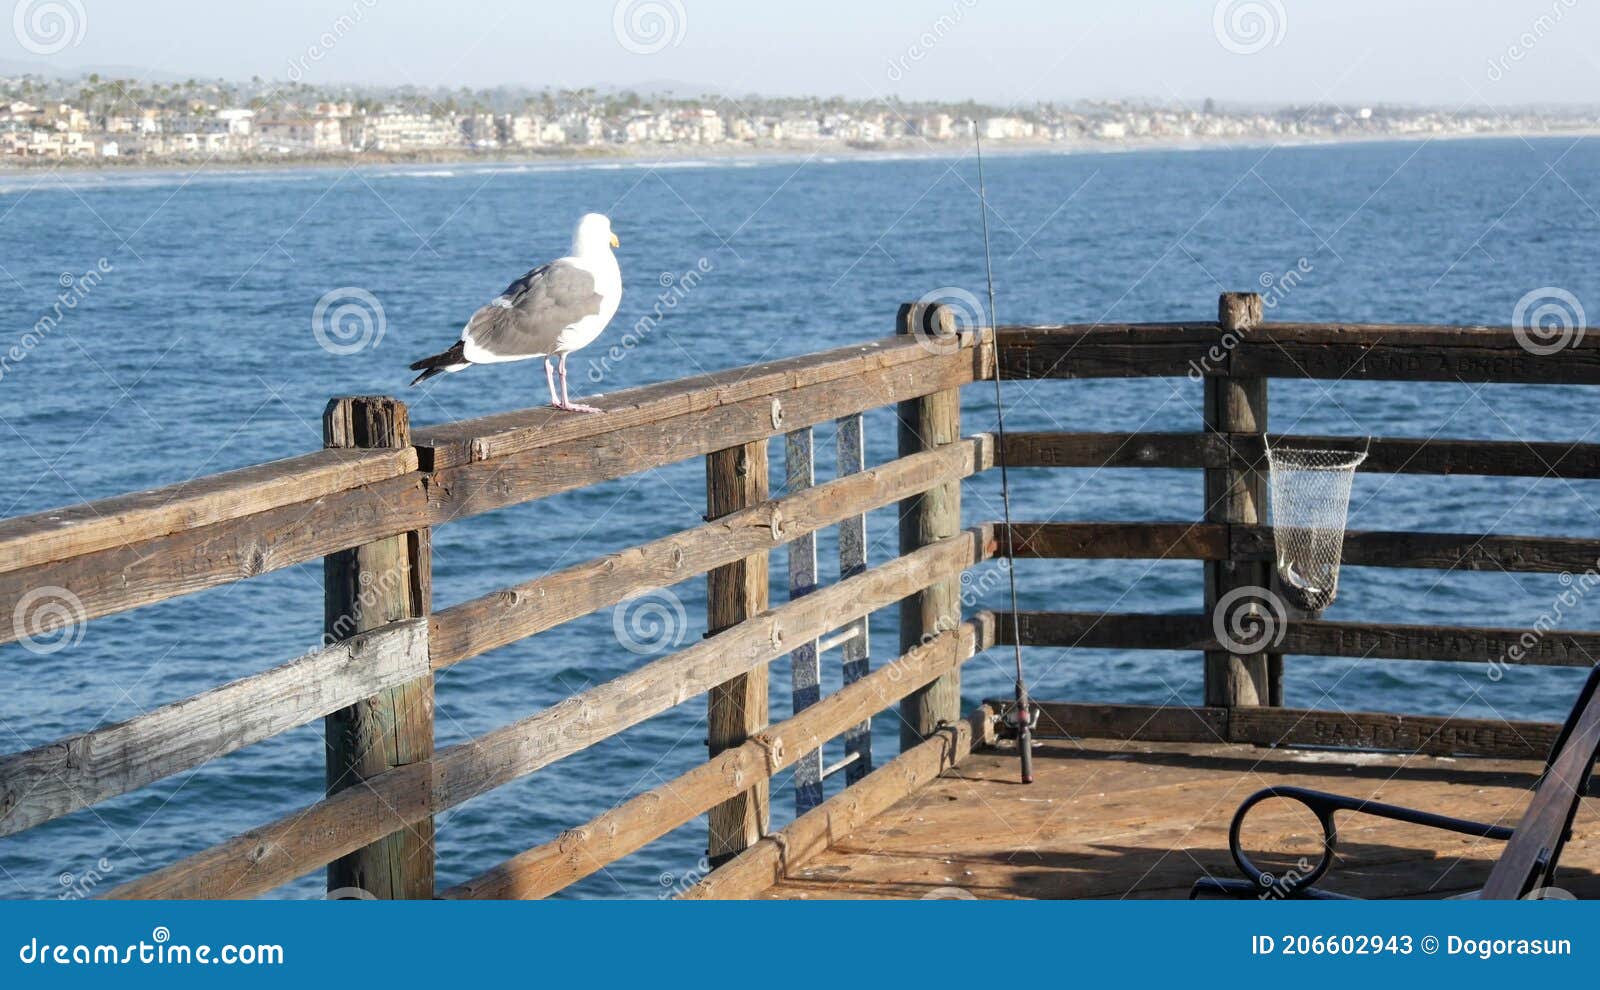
653	154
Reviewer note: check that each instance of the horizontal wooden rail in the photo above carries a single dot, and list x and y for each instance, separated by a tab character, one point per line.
769	860
530	456
267	857
72	773
617	450
505	616
578	852
1269	726
1387	455
1188	632
1350	352
1216	541
501	435
67	532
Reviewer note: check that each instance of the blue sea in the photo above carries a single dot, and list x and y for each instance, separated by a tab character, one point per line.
198	346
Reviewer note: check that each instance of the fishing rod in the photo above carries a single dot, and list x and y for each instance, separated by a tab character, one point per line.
1023	710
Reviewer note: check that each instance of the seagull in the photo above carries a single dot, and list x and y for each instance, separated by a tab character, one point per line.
549	312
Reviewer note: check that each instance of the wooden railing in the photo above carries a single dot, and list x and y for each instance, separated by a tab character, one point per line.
368	503
1234	358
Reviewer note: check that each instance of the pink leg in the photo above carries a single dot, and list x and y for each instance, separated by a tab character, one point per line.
565	403
550	380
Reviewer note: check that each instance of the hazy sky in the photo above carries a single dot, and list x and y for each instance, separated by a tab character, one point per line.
1466	52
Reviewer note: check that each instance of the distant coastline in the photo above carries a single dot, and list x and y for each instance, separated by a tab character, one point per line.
645	154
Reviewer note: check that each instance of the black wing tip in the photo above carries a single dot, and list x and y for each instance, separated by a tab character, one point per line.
436	364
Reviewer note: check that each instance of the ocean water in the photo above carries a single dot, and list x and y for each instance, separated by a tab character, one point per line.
196	349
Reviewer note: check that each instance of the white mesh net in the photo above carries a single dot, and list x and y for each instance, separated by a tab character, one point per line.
1310	495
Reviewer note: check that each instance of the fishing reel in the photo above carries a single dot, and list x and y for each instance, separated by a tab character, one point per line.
1011	719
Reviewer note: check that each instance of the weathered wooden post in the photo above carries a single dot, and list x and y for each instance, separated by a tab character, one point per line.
925	424
366	587
736	478
1236	495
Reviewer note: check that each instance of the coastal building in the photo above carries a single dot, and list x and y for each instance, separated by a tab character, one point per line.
395	130
289	134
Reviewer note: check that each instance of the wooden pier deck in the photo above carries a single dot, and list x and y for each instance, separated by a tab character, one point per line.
1125	819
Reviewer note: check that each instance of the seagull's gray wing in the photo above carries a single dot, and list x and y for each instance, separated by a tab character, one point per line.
530	314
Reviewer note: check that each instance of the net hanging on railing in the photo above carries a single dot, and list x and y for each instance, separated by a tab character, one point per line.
1310	494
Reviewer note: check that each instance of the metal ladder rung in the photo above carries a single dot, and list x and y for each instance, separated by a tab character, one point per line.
851	758
839	638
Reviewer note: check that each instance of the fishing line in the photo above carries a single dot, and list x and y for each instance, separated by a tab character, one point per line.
1022	712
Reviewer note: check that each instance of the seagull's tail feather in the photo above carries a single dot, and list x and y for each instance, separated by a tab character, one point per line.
452	360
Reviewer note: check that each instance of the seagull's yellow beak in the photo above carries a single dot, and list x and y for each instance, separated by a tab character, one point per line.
614	242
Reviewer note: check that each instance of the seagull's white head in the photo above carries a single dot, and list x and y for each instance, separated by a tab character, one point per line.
593	235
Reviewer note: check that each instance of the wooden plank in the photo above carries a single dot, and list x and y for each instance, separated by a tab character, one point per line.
505	616
1147	723
1488	458
58	534
1442	354
1447	551
518	431
929	422
1387	455
1118	540
1237	495
255	862
769	860
1286	727
1146	350
77	771
1290	350
267	857
736	479
1115	450
1430	734
479	486
366	587
1465	644
578	852
124	577
1362	548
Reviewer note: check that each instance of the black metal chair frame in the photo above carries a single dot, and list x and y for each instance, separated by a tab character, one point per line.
1260	884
